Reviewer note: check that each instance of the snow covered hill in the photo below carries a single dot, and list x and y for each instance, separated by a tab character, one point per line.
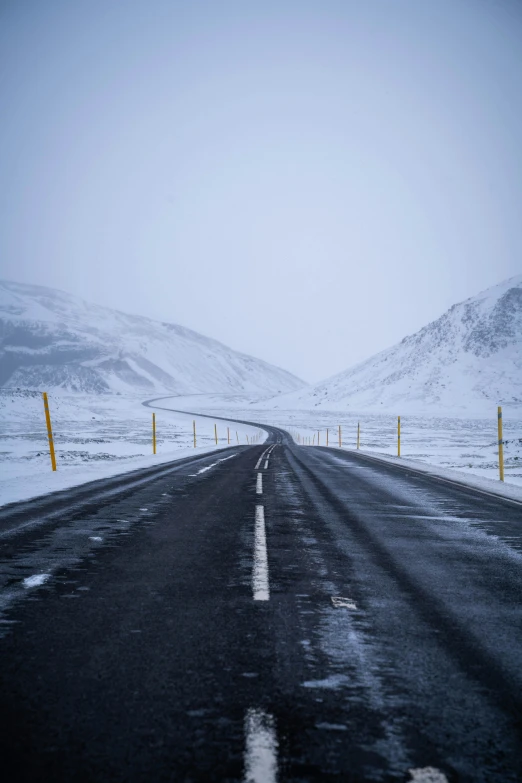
50	339
469	360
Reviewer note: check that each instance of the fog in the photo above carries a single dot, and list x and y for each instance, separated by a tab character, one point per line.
307	182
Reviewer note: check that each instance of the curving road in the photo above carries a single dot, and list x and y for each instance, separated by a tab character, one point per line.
265	613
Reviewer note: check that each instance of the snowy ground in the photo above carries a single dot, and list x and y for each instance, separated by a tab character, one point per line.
103	435
95	436
464	444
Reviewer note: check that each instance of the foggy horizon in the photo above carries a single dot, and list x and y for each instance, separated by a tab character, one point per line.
305	183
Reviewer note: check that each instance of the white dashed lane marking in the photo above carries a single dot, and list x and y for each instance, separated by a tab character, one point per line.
259	485
259	461
260	747
260	585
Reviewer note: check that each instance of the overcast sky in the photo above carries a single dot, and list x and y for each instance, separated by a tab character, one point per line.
307	182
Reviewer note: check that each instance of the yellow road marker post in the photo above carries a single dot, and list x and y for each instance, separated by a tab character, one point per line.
358	435
340	438
153	433
327	436
49	430
398	436
228	435
194	431
500	445
318	440
313	440
215	432
247	439
237	437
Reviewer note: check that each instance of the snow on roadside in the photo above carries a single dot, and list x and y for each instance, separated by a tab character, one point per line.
96	436
468	446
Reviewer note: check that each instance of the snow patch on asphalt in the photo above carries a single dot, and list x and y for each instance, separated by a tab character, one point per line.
332	682
36	580
343	603
427	775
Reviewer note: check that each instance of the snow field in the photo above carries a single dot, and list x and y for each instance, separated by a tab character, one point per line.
469	445
95	436
102	435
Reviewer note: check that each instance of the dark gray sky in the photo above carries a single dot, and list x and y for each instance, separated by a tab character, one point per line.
305	181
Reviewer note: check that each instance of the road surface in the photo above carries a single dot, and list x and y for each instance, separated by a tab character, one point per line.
264	613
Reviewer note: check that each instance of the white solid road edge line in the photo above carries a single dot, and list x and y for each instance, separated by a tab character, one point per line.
260	586
259	484
260	747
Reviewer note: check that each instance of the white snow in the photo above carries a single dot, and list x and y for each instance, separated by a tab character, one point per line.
36	580
463	364
445	382
51	340
95	436
454	447
427	775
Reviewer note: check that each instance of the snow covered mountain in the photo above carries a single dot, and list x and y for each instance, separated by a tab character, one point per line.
50	339
468	360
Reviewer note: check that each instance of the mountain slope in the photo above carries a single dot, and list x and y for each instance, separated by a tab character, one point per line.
469	359
50	339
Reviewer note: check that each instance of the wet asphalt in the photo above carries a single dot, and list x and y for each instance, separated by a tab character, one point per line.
391	639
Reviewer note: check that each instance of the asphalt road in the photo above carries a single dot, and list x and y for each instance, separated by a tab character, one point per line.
265	613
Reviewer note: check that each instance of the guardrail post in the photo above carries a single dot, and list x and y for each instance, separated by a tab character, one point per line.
49	430
500	445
